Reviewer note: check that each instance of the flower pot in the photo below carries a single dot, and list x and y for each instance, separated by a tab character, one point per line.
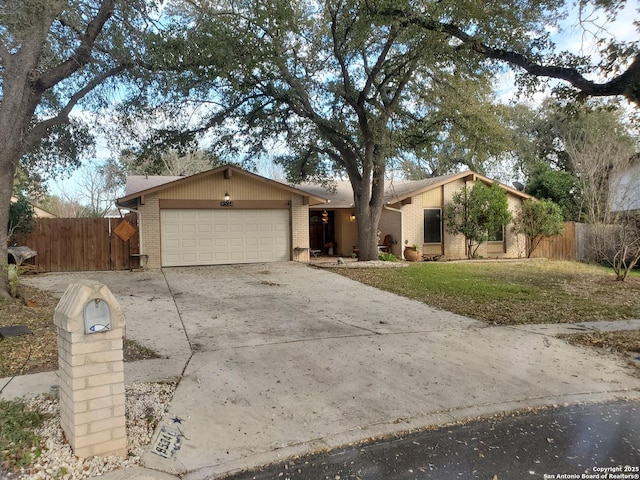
411	254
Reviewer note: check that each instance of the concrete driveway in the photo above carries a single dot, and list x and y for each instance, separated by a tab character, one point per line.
282	359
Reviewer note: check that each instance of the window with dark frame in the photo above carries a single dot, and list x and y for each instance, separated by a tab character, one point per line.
432	225
498	235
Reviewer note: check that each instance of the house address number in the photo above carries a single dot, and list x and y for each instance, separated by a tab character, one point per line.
167	443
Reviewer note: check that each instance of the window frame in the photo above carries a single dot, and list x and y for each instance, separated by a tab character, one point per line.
499	238
428	239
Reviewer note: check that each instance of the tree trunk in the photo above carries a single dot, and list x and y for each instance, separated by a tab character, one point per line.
6	181
368	196
16	110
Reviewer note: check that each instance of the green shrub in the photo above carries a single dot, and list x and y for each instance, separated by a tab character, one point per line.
18	443
387	257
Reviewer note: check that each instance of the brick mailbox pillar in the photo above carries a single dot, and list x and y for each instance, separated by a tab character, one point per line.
90	326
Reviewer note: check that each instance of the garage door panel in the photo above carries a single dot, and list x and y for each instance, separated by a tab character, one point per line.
209	237
237	242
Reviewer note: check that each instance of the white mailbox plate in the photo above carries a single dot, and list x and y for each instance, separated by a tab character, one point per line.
96	316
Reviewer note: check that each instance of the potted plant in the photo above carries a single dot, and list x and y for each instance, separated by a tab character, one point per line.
411	253
330	246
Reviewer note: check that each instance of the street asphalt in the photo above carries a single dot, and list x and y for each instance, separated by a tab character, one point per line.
279	360
600	441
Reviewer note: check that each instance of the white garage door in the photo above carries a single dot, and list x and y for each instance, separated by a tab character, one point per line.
212	237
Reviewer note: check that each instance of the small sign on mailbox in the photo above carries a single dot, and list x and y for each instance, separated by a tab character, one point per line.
96	316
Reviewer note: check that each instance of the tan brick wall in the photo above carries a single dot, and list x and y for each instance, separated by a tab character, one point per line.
299	230
150	230
516	244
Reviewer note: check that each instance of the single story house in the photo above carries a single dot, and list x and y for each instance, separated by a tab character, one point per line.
228	215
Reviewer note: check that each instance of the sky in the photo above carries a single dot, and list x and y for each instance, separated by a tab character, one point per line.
568	37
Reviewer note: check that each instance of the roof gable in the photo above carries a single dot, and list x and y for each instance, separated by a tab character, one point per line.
140	186
412	188
398	190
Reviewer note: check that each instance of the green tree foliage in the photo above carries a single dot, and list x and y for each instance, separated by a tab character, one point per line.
553	144
531	52
558	186
537	220
477	213
168	162
344	87
352	87
603	157
600	149
20	217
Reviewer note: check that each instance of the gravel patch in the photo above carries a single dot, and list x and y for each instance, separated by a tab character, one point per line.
364	264
146	403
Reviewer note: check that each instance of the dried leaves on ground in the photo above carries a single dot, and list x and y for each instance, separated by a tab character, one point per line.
519	292
38	352
617	342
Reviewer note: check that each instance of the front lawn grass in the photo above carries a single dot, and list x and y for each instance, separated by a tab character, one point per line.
512	292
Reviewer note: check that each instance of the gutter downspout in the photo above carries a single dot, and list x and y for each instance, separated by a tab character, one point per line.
391	209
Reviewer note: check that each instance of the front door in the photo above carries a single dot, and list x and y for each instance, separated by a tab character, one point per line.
320	233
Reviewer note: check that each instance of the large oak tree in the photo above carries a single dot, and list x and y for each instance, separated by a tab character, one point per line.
348	87
54	56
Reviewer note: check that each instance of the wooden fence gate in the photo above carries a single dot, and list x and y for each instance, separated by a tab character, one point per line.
80	244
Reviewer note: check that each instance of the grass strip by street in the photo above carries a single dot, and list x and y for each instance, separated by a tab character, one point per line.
513	292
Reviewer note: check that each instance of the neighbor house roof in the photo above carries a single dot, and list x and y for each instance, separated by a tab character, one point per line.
138	186
38	211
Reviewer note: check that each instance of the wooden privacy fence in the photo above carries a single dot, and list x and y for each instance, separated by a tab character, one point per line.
562	247
79	244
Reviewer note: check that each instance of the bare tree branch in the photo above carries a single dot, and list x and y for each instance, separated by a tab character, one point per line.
627	84
40	130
